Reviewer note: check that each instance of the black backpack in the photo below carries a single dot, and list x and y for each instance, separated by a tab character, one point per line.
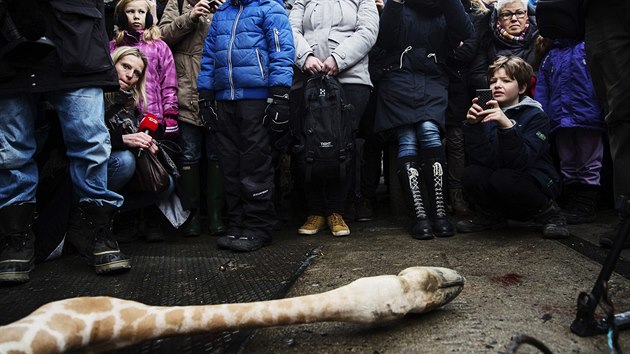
560	19
326	136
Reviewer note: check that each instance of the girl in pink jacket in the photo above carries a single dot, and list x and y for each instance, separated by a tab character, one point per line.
138	28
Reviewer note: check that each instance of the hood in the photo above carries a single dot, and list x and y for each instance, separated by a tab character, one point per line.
527	101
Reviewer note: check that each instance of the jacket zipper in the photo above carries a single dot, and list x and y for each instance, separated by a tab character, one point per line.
403	54
230	51
275	37
262	72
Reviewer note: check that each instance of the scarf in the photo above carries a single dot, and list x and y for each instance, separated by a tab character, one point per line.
511	38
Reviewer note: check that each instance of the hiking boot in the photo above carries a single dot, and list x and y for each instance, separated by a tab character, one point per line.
555	226
248	243
337	226
313	224
607	239
16	243
363	210
458	203
481	221
225	241
90	231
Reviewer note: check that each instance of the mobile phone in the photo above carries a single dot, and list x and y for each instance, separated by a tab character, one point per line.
483	96
215	4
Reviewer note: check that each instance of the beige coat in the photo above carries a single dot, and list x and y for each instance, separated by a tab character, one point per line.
345	29
185	36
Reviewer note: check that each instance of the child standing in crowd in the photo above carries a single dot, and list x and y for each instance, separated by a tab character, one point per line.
418	35
511	174
138	28
247	66
184	30
565	90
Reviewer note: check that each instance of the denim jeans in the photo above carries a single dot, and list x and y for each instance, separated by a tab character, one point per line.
421	135
81	113
120	169
191	138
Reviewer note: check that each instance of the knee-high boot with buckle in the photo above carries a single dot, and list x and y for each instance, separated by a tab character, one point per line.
215	199
90	232
433	165
411	183
17	251
190	183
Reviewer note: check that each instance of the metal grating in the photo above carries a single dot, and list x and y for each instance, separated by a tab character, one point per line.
189	272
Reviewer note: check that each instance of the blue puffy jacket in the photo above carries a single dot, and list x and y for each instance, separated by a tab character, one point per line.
249	48
565	90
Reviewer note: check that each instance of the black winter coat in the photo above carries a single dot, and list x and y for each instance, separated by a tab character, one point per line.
524	147
417	42
81	57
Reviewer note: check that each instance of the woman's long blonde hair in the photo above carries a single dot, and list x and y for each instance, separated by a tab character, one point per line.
479	7
139	90
150	34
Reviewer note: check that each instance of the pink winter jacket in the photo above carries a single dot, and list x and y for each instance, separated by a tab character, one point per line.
161	81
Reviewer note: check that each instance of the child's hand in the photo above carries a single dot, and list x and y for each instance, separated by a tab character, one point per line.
495	114
474	116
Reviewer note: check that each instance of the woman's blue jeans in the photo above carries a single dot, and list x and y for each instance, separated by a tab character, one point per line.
81	114
421	135
120	169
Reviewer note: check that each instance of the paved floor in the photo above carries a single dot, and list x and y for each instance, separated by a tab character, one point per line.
517	283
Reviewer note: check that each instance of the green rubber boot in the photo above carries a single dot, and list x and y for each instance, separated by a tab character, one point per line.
190	182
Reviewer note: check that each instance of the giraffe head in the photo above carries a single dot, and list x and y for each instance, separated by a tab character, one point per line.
431	287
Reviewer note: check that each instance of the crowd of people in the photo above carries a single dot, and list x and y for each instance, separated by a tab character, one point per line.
225	80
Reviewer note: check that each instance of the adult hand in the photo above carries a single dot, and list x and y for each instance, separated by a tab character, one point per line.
313	65
214	5
330	66
138	140
202	8
380	5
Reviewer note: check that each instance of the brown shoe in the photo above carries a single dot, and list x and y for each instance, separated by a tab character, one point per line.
337	226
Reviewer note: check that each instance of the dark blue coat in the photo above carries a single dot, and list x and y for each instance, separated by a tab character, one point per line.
524	147
416	43
249	48
565	90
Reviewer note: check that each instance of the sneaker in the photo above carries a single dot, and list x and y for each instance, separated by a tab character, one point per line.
313	224
363	210
248	243
480	222
337	226
225	242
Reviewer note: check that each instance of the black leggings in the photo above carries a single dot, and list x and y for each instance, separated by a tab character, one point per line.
515	194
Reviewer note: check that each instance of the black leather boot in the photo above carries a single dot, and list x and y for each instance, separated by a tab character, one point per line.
90	231
433	167
410	181
16	243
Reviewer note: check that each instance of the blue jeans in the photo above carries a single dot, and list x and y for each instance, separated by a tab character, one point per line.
191	139
421	135
120	169
81	113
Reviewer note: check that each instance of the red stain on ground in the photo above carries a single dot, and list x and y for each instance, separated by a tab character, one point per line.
508	279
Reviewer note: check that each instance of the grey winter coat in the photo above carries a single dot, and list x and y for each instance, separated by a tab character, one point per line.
345	29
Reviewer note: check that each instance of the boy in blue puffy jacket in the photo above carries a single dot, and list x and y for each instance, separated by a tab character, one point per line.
246	68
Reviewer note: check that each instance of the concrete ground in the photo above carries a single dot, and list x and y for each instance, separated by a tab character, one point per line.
516	283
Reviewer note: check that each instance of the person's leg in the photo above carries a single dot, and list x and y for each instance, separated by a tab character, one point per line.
215	200
256	177
81	113
433	165
316	204
228	140
190	140
487	203
18	183
120	168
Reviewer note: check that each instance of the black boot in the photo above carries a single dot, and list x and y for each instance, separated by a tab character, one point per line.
16	243
580	208
555	226
433	167
410	181
90	231
153	219
190	182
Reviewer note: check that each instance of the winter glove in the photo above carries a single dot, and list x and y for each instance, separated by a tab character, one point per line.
278	111
169	127
207	110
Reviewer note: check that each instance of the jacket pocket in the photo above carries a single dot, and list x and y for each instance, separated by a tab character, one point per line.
79	28
260	64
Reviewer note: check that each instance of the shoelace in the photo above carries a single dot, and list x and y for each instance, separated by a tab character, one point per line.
336	220
16	241
312	221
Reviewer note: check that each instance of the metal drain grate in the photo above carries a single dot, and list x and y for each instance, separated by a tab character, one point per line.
189	272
